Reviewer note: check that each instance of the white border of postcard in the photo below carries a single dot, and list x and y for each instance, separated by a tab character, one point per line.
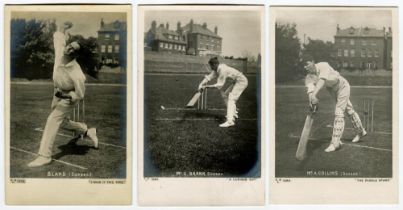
196	191
333	190
53	191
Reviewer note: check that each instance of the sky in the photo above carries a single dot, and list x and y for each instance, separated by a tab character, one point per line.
240	30
87	24
319	23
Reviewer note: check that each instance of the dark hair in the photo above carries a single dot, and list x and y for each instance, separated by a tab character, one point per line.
213	61
76	53
86	56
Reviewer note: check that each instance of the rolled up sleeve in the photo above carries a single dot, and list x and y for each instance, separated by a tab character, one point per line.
78	93
59	42
220	82
310	81
211	76
79	88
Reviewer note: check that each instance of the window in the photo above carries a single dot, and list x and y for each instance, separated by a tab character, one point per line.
161	45
363	42
116	48
363	53
166	45
373	43
343	41
345	53
116	37
376	53
369	53
351	64
351	41
107	36
103	48
110	48
345	64
339	52
169	36
352	53
170	46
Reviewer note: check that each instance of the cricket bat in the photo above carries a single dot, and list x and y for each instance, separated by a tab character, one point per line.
194	99
303	140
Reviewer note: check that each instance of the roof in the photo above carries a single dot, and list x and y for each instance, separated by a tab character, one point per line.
198	29
360	32
161	32
114	26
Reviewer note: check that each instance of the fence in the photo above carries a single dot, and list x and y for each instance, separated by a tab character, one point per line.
155	62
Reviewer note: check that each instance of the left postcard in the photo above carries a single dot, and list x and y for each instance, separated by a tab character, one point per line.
68	104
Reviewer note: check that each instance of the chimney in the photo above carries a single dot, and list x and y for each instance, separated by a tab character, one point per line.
102	23
153	25
191	26
162	25
338	28
167	26
390	30
178	26
205	25
216	30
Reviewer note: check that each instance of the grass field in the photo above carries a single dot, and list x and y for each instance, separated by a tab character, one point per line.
371	157
179	140
105	109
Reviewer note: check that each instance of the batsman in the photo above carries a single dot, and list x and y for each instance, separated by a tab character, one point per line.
321	75
231	94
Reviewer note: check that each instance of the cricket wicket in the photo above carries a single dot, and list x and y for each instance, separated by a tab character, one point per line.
78	114
202	102
368	109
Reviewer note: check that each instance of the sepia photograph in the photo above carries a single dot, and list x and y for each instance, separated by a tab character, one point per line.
202	92
335	88
67	93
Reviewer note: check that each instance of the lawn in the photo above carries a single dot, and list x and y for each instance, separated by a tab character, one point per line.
105	109
371	157
180	141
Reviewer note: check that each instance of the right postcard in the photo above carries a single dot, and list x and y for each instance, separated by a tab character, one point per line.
334	105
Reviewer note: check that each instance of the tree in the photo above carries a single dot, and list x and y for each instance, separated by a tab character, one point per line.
248	55
288	49
31	48
32	51
87	56
319	50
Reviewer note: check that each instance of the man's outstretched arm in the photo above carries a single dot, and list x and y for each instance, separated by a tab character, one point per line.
59	39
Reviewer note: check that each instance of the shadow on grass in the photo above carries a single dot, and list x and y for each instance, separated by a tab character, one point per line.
200	114
311	147
71	148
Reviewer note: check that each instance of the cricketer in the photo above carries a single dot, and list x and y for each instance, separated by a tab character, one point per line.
68	80
321	75
232	93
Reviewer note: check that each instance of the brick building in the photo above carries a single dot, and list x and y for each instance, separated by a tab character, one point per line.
192	39
363	48
112	42
162	39
201	40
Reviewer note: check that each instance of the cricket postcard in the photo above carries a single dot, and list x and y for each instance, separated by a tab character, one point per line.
200	105
68	104
335	106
